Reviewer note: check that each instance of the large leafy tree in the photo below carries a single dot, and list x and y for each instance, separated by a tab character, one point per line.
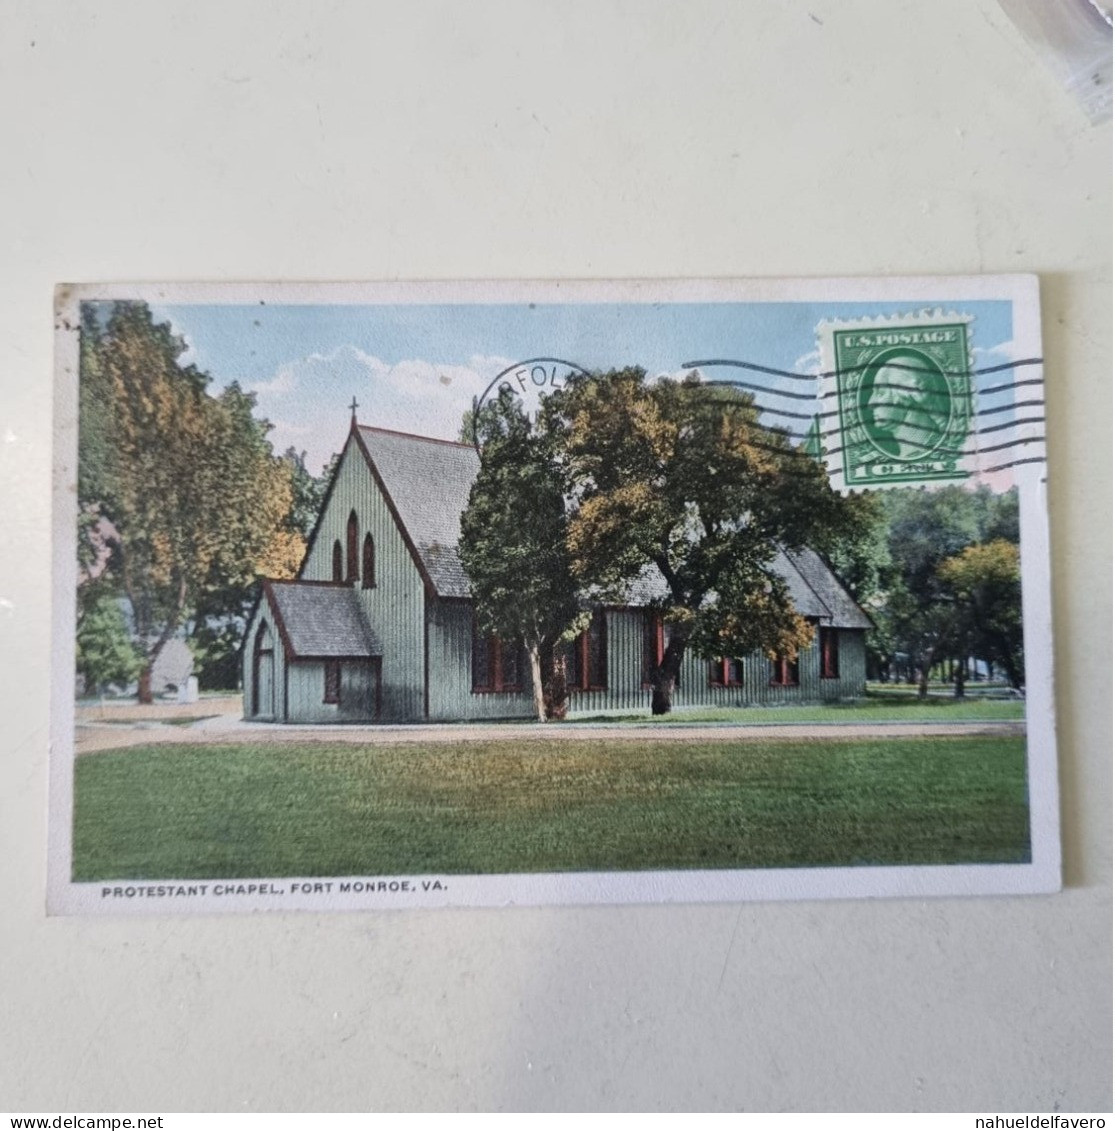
984	583
182	498
514	546
674	476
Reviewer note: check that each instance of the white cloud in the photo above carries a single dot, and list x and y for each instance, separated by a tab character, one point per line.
986	356
281	383
308	398
809	362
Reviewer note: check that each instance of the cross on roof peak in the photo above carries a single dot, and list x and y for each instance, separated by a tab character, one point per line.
354	406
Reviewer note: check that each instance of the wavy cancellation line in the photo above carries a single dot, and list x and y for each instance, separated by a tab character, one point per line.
1010	405
754	367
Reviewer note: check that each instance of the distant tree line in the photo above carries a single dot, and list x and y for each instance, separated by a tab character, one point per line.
945	586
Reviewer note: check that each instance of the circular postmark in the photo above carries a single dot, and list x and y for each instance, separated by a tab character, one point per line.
905	404
530	381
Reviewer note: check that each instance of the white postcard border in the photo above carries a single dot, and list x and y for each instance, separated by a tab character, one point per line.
1041	875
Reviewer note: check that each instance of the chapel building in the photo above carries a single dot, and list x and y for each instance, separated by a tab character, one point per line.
379	625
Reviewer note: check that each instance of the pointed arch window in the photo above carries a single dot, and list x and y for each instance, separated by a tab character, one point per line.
338	561
352	561
368	572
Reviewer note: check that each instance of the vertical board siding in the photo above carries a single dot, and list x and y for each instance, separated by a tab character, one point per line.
626	693
452	697
451	694
625	690
395	607
306	688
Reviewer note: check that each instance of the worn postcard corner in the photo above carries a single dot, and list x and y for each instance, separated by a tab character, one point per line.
427	594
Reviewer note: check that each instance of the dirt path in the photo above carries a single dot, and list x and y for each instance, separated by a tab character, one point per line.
94	735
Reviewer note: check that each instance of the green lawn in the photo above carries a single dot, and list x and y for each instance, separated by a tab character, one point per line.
338	809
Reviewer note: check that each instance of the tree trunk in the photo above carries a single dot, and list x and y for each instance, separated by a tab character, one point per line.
143	692
958	687
666	676
555	688
923	674
536	681
1006	658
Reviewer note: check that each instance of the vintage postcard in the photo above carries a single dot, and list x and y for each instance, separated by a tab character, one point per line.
492	593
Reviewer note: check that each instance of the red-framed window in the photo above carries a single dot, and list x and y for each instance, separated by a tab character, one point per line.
368	574
589	670
726	672
784	671
332	682
829	643
338	562
497	664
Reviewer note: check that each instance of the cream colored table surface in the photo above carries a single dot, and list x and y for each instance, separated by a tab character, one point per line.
207	140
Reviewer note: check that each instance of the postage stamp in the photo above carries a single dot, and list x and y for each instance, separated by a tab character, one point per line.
427	594
902	393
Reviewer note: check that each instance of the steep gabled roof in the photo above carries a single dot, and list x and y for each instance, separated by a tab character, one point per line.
320	620
428	482
807	601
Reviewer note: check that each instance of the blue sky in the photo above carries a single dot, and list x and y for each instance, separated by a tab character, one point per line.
417	367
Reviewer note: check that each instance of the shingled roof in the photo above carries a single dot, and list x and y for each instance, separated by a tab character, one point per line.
320	620
814	589
429	482
840	607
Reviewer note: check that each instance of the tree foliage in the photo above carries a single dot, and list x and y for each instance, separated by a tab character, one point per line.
514	547
105	653
307	492
921	613
984	583
679	478
186	481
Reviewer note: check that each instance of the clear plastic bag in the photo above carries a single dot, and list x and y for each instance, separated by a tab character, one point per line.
1073	39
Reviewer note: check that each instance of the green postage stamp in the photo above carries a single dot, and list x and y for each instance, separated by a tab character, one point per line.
896	399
